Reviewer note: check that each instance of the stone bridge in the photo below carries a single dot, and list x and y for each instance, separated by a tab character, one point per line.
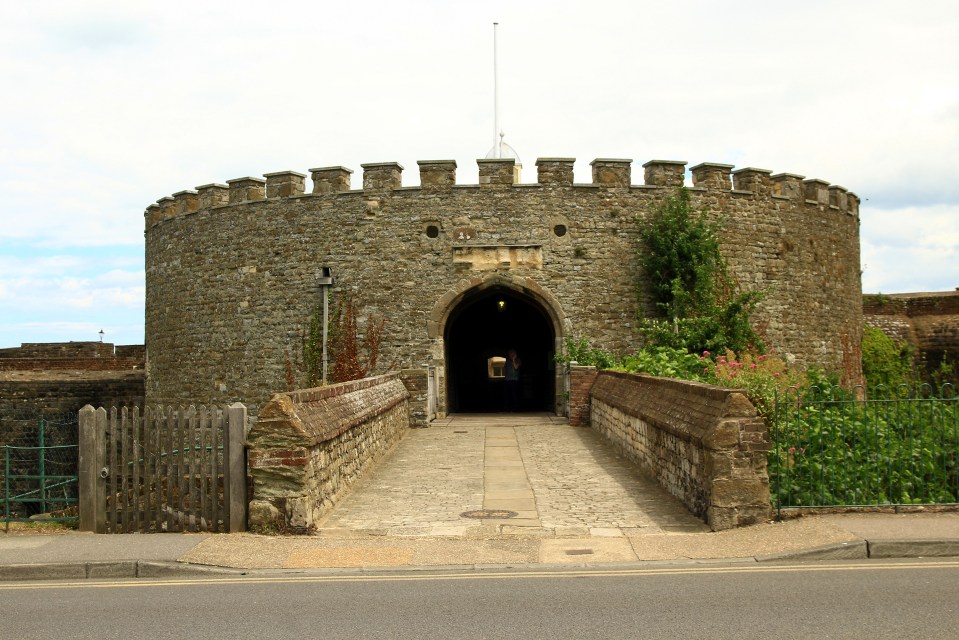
638	454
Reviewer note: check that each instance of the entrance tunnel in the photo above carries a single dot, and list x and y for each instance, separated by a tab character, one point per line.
479	332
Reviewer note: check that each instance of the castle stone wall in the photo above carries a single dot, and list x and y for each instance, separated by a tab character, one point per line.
232	270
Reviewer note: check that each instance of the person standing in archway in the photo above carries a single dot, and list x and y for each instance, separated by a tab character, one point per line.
511	382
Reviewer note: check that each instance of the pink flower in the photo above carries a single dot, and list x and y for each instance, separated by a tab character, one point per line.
776	375
705	353
752	366
792	449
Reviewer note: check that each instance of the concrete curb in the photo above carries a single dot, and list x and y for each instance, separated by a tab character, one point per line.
858	550
913	548
108	570
126	569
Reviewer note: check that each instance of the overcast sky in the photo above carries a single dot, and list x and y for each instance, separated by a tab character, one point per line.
111	104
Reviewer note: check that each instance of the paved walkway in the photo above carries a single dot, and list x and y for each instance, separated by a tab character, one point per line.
531	474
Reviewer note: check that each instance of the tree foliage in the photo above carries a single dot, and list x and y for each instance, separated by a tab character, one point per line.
690	282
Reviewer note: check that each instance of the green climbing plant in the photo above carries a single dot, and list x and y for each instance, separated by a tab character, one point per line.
703	309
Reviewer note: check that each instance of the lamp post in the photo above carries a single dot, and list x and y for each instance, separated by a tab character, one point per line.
325	282
101	335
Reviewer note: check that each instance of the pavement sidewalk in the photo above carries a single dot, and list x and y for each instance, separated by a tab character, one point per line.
26	555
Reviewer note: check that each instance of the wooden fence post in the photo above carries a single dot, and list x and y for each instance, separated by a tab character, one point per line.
234	472
92	487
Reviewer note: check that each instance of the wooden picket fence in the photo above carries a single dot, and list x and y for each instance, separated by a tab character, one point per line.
163	471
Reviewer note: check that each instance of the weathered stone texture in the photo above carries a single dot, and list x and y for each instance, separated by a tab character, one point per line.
928	321
309	447
231	287
707	446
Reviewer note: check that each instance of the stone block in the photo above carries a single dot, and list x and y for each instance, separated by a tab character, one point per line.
665	173
330	180
284	184
712	175
437	175
612	172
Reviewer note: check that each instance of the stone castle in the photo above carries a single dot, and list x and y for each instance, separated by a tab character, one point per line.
462	273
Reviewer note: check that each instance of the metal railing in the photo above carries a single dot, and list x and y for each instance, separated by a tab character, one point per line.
884	447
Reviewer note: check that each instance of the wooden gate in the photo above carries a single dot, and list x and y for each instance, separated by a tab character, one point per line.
163	471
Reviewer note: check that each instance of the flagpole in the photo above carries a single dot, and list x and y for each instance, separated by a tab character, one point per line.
496	146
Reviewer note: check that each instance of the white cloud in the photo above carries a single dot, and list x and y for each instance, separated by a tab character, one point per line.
910	249
113	105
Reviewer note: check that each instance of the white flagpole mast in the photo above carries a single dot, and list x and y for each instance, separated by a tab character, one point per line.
496	146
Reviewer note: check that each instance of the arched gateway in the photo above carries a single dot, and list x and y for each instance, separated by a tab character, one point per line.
476	325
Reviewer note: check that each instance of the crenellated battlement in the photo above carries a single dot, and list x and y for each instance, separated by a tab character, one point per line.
234	270
436	176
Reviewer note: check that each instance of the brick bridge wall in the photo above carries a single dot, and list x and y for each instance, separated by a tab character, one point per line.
309	447
706	445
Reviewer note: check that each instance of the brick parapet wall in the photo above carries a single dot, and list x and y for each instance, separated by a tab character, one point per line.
74	364
581	380
89	349
309	447
705	445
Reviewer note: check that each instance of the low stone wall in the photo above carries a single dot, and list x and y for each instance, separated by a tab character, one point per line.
309	447
706	445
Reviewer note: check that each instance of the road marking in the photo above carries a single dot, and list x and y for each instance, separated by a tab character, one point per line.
479	575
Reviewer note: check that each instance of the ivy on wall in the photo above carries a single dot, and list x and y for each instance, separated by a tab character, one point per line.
690	283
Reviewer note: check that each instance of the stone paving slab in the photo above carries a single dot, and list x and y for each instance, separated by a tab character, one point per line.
556	477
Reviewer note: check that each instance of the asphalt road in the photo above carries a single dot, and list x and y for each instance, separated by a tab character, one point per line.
870	599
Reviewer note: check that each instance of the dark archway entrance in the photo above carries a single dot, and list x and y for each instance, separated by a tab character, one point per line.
484	325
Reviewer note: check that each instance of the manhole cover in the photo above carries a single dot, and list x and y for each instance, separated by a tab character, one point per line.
489	513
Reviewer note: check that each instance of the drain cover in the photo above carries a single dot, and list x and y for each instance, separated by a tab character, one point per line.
579	552
489	513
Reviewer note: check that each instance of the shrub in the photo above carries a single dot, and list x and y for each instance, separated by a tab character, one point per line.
691	284
884	360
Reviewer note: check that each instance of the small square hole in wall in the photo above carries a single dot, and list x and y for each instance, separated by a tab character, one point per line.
432	231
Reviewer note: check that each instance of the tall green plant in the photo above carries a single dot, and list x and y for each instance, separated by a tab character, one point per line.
691	284
885	360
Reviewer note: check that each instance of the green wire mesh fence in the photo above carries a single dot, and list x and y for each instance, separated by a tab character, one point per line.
38	466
